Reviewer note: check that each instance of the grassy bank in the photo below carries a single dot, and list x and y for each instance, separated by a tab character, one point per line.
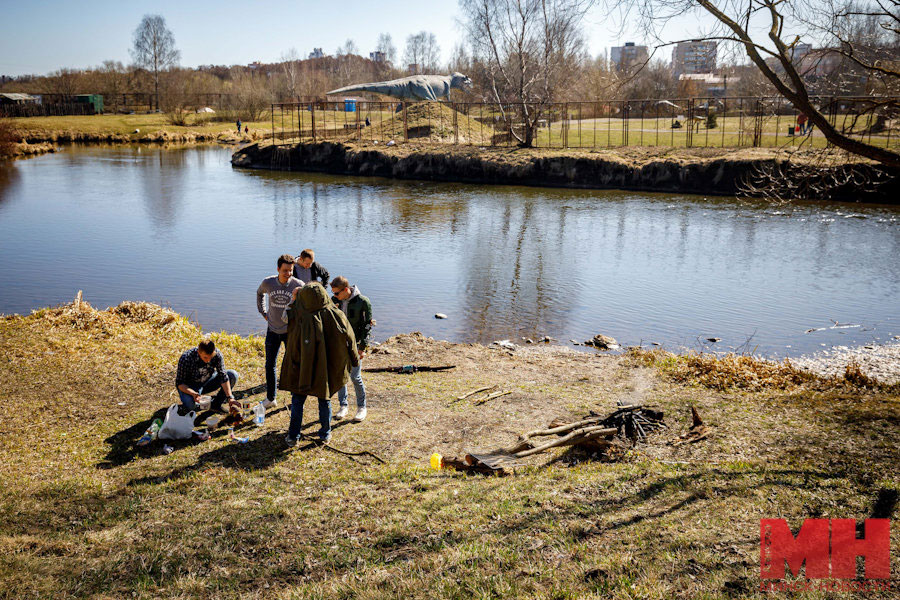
123	124
82	514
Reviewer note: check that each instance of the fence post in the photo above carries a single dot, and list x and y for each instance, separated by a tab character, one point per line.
358	130
758	125
403	108
273	124
312	113
455	124
689	138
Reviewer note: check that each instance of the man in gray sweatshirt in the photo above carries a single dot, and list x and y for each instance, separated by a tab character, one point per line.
272	297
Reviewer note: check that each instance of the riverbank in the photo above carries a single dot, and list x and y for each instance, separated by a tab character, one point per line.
84	514
37	135
710	171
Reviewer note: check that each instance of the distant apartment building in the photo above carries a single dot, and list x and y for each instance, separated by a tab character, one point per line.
694	57
377	56
799	51
412	69
628	57
317	53
709	84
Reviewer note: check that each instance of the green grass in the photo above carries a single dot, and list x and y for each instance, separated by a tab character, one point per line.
82	515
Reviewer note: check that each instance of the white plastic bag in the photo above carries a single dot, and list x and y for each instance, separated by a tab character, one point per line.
177	427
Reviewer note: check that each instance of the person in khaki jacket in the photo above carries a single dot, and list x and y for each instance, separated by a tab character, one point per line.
319	352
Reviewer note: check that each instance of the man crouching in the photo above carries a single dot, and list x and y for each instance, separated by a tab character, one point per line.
201	370
319	352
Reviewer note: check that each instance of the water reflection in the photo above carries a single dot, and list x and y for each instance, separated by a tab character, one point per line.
9	177
503	262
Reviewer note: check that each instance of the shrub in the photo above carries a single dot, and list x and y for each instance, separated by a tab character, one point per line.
8	138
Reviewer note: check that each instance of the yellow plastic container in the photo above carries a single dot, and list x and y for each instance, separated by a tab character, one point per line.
436	461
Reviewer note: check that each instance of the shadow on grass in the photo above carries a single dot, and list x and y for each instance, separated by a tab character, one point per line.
260	453
122	449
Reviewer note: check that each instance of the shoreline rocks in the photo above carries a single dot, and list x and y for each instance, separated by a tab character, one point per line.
880	362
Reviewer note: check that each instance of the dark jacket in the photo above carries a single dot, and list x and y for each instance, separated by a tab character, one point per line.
316	273
320	347
359	313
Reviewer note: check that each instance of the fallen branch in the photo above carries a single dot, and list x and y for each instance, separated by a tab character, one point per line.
478	391
407	369
577	436
492	397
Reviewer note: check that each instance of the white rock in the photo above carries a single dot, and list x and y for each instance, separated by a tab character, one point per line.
440	316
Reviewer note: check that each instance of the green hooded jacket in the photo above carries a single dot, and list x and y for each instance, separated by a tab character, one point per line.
320	345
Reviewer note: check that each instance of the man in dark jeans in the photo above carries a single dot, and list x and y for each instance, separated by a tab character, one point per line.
276	291
307	269
359	312
201	370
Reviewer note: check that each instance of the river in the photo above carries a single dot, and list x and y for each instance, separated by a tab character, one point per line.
182	228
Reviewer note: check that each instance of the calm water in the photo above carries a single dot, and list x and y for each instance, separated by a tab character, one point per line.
181	227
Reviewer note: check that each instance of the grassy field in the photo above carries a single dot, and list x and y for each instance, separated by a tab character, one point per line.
125	124
438	126
85	515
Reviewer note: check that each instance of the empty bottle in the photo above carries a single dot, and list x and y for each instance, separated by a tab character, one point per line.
259	414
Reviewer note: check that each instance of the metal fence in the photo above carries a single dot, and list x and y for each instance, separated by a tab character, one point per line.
55	109
685	122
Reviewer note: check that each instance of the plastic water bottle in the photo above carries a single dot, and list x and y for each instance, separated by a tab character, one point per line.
259	414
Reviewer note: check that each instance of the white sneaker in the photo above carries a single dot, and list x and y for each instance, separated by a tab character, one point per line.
360	415
267	404
341	413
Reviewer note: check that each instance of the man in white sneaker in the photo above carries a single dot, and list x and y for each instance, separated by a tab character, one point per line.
276	291
359	312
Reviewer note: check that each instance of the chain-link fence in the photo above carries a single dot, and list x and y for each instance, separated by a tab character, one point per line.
685	122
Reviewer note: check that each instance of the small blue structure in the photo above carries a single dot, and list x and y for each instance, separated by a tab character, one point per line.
349	105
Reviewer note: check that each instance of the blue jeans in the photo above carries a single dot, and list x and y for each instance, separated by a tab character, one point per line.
273	345
297	401
356	378
210	385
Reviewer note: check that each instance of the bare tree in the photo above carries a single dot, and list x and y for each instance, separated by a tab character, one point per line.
290	65
63	82
531	49
348	49
154	48
422	50
773	53
386	47
114	79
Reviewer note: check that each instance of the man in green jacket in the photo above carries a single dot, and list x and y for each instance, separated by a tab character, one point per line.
359	312
319	352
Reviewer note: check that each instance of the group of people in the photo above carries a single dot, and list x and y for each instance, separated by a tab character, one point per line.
804	125
325	340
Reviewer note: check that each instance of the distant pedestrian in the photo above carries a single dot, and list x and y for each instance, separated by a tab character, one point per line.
246	129
239	126
801	121
368	122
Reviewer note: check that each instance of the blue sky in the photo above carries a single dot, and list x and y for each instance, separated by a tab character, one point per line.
41	36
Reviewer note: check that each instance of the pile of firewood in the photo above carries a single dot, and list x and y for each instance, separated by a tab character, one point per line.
604	435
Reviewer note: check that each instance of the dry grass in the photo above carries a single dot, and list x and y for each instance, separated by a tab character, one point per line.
429	122
84	515
745	372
